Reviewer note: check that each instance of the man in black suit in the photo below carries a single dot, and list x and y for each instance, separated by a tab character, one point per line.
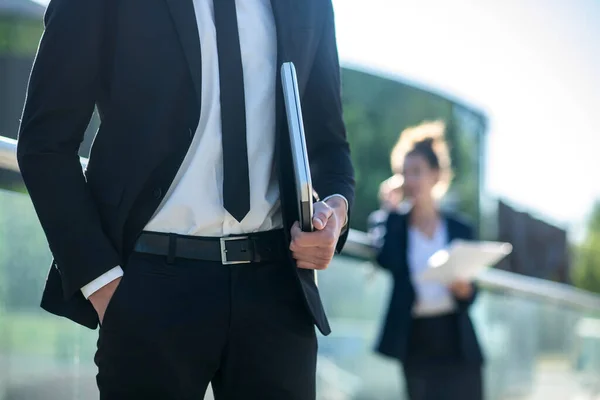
180	237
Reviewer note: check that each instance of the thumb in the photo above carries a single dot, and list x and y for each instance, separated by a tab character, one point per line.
321	215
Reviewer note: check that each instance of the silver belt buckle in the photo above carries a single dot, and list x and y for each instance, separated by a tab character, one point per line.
223	241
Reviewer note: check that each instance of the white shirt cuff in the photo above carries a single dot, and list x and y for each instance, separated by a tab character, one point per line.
101	281
345	201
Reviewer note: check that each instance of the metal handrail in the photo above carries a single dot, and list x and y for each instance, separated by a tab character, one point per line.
358	246
8	154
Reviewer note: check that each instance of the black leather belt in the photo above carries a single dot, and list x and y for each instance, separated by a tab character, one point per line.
229	250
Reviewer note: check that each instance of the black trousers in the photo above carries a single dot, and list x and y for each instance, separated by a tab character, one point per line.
434	368
169	330
443	381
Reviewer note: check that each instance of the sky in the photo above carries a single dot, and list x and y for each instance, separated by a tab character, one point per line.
528	64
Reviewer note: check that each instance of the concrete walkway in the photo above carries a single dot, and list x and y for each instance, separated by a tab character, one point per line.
554	380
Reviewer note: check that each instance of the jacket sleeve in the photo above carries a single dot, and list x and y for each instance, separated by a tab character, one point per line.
385	239
328	148
61	96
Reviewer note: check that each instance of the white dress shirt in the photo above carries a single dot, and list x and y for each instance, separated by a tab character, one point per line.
431	298
194	204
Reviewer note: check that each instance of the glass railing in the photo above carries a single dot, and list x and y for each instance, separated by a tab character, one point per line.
536	347
542	340
41	356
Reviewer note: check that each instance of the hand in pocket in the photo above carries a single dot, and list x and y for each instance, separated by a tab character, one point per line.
102	297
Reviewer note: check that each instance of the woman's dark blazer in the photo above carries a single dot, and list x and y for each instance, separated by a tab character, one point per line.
392	230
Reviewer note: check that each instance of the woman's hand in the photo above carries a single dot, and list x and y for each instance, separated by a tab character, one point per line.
390	192
462	289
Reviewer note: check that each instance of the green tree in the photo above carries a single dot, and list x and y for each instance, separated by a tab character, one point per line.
376	110
586	271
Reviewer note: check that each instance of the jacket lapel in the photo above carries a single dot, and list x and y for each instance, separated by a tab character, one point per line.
281	15
280	8
184	17
403	243
452	232
451	228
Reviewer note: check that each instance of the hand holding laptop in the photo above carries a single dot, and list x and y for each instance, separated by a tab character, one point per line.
314	250
315	235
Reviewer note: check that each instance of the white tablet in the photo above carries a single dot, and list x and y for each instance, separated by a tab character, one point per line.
464	260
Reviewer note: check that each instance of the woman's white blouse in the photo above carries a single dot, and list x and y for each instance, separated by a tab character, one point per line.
431	298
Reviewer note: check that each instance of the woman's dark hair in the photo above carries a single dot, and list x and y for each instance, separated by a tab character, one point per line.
426	140
425	149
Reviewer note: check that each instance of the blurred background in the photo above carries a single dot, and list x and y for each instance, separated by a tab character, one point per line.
516	83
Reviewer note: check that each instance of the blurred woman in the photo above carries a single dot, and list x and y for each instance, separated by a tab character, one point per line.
427	327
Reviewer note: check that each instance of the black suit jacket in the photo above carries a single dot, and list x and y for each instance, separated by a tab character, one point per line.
139	63
392	256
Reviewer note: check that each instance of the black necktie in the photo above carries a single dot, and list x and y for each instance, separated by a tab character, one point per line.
236	183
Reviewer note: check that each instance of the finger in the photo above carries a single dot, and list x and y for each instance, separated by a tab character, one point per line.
296	231
310	265
319	257
299	239
321	215
318	223
296	234
305	265
323	238
326	238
